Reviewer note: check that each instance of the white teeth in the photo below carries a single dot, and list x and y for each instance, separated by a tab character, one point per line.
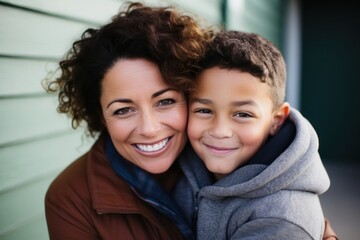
154	147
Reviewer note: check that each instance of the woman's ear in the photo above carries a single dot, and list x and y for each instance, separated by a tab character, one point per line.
279	116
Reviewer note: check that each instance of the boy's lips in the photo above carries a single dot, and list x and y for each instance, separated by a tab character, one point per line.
220	149
154	147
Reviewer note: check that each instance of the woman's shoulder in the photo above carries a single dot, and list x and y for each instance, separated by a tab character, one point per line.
74	179
71	181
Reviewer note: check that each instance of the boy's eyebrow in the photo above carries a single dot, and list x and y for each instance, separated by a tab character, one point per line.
235	103
244	102
154	95
201	100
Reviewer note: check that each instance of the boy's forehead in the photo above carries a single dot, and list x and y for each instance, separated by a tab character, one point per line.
218	75
218	83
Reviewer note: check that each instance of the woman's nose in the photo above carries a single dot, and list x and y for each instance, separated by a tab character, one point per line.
149	124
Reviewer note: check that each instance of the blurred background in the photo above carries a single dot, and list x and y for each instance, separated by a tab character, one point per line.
320	41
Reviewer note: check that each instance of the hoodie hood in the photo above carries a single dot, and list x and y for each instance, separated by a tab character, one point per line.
273	196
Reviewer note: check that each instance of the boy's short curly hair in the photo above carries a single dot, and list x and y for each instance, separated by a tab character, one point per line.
251	53
172	40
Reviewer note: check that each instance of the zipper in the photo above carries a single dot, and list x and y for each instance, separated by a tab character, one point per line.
106	211
194	215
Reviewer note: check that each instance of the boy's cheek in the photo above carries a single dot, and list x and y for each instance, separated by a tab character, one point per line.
194	127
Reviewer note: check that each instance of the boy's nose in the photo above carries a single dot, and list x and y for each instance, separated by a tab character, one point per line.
220	129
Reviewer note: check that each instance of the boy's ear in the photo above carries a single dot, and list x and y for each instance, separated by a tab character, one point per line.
279	116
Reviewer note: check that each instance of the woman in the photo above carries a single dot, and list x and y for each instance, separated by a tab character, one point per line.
128	82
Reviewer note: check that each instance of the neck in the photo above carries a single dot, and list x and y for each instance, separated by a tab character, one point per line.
167	179
219	176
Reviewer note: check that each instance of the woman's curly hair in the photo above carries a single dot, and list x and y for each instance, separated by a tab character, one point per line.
172	40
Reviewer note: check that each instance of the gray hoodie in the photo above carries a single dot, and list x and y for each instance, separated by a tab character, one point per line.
274	200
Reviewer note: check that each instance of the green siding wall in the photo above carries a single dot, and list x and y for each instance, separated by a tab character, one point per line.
264	17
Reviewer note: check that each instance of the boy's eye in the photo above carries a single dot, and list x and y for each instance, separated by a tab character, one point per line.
203	111
123	111
242	115
165	102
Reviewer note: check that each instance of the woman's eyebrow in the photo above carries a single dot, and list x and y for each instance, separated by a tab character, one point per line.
127	100
122	100
156	94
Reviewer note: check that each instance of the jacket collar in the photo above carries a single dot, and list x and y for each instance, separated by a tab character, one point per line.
109	192
146	187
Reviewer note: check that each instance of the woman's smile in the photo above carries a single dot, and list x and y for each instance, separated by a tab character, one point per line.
154	147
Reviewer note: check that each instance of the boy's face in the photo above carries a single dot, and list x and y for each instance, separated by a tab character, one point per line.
230	117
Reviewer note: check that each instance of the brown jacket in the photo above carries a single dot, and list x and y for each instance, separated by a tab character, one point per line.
89	201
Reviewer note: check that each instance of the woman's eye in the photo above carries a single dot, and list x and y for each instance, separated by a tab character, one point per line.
123	111
165	102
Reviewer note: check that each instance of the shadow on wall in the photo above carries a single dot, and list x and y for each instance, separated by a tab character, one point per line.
330	80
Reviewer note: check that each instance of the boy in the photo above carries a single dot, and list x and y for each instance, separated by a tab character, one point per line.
263	155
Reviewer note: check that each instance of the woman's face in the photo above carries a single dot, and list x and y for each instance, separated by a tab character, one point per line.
145	117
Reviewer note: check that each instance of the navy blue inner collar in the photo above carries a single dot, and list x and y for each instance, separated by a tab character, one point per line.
147	188
275	145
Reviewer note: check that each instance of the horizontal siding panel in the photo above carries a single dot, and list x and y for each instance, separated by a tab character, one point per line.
101	11
42	36
207	9
23	76
267	9
36	228
19	207
36	35
262	17
86	10
258	18
28	118
30	161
